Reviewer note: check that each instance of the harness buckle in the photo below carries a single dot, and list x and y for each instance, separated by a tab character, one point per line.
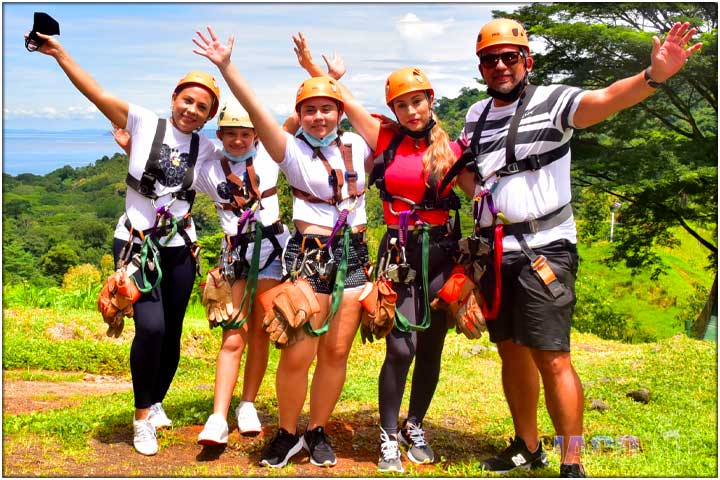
513	167
533	225
533	162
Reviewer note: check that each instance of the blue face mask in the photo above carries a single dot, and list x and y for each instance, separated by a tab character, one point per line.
316	142
240	158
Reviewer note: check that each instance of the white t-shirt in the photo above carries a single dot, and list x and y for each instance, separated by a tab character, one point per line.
546	125
141	125
309	175
211	180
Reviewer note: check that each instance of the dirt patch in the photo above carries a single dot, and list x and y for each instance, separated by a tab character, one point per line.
22	396
112	454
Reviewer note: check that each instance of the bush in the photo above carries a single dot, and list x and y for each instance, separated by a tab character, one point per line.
80	278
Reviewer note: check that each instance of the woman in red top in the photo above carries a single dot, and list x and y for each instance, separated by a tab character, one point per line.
415	155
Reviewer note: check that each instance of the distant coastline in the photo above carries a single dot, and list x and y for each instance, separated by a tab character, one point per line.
40	152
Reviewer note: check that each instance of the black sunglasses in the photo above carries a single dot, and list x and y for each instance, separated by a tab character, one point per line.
491	60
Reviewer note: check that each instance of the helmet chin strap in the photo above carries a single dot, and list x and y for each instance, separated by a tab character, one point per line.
513	94
419	133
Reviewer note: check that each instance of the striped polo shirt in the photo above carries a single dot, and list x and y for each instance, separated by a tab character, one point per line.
546	125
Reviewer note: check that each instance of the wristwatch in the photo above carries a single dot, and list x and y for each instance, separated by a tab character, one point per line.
652	83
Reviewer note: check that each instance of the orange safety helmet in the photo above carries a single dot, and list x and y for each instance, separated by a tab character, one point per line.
205	80
404	80
319	87
501	31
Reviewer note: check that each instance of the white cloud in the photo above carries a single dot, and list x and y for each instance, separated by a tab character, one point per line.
52	113
412	28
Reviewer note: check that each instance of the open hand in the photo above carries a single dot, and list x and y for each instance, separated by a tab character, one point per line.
303	52
667	59
122	137
213	49
335	65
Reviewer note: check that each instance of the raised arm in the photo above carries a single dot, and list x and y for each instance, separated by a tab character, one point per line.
270	132
366	125
115	109
666	60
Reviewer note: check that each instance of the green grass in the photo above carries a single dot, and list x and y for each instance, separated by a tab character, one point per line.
467	420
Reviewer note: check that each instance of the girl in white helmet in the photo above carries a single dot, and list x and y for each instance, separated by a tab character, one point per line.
163	161
243	186
326	171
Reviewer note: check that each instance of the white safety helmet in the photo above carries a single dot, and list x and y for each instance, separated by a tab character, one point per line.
233	114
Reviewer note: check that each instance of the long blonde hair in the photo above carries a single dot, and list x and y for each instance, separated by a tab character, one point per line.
438	157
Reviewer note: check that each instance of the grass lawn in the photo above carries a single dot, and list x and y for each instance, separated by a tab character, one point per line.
468	419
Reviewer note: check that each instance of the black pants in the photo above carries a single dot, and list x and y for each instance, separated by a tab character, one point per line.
155	350
424	347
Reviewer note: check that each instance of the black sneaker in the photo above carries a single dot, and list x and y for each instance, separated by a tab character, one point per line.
318	444
515	456
412	437
280	449
572	470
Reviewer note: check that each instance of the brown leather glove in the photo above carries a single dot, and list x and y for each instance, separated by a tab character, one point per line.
292	308
116	300
217	298
378	316
458	296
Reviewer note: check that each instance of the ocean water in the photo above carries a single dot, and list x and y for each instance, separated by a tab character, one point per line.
42	152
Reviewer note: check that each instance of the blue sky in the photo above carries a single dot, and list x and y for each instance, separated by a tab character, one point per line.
139	51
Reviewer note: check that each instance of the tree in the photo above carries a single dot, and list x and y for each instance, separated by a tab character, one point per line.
57	261
660	157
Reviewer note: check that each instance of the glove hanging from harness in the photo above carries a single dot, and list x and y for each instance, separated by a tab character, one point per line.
458	296
293	307
117	296
217	298
378	300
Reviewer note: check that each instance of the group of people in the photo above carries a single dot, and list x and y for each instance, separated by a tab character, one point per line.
513	159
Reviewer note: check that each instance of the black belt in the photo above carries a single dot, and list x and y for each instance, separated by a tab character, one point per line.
162	231
271	230
546	222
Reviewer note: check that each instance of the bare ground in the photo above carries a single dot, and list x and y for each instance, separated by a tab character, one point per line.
113	455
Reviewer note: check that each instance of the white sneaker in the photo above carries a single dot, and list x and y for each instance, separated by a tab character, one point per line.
158	417
215	431
144	438
247	419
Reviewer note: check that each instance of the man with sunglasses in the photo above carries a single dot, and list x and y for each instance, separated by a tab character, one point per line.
519	139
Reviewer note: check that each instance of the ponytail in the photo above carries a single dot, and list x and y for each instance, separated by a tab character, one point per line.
438	157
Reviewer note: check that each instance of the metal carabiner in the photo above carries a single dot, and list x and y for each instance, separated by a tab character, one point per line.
402	199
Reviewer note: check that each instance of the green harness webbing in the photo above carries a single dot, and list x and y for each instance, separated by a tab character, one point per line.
338	288
149	246
402	323
250	283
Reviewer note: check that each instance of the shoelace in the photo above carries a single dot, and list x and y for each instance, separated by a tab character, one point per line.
145	432
282	443
417	435
389	449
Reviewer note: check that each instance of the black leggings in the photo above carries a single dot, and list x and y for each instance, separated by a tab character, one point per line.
155	350
424	347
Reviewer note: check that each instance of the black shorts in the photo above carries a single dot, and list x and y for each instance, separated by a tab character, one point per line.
357	261
529	314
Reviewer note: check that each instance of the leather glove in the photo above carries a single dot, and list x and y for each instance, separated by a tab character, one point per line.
292	308
116	300
217	298
459	296
378	317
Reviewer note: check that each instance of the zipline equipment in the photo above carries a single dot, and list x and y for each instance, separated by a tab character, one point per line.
378	300
217	298
117	296
458	296
484	246
293	306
